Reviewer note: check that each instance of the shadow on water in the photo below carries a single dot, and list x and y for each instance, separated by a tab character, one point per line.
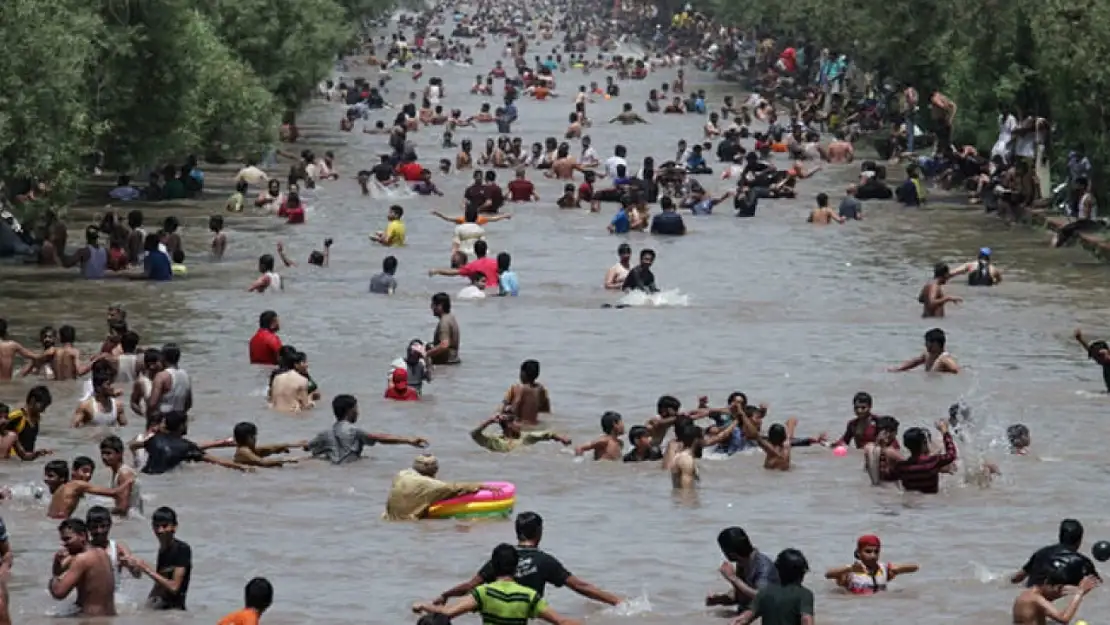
798	316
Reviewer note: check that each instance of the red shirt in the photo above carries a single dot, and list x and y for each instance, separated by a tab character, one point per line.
398	394
789	59
264	347
485	265
411	172
521	190
586	192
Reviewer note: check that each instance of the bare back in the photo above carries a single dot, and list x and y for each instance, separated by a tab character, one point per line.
97	586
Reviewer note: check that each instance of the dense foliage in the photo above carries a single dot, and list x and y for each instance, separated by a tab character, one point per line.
1040	58
146	81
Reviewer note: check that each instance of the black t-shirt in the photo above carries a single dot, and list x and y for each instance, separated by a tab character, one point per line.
535	569
612	90
668	222
653	453
475	195
165	452
1046	558
727	150
382	171
639	278
178	555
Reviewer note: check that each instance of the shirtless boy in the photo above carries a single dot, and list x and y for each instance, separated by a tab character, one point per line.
680	456
84	568
528	399
1034	606
62	362
823	215
935	357
66	493
249	453
289	392
8	351
776	445
608	446
932	297
123	478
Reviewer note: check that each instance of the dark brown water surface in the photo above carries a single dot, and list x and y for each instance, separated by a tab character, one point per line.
801	317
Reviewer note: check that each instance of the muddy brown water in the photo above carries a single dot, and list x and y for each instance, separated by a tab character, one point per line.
800	317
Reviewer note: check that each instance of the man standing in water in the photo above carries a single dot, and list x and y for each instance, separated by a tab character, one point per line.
935	357
265	344
932	297
343	442
8	351
535	569
786	602
171	390
614	278
746	569
444	349
1034	605
84	568
640	277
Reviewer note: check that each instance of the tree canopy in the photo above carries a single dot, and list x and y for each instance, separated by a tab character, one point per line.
146	81
1039	58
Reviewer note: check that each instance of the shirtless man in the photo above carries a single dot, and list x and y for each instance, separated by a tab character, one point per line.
628	116
564	165
935	358
840	150
8	350
823	215
614	278
776	445
528	399
84	568
289	392
679	457
66	493
63	361
932	297
1035	605
608	446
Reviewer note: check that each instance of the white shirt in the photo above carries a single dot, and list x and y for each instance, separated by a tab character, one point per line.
1026	146
252	175
611	165
589	155
1006	126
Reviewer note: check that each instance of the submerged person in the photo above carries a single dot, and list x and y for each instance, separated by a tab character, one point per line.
935	358
512	436
867	575
416	490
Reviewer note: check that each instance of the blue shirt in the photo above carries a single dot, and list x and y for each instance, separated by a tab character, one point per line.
158	266
699	105
508	284
694	161
551	64
620	222
668	222
510	112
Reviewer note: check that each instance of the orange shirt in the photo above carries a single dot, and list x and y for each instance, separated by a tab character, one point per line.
541	92
482	220
246	616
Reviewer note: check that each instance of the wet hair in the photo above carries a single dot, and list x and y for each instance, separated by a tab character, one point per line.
529	526
58	468
823	200
734	543
67	334
688	434
941	270
503	560
343	404
442	300
1015	433
258	594
389	264
129	341
636	433
792	567
316	257
266	262
111	443
665	403
504	261
243	432
776	434
886	424
1071	533
171	354
174	421
862	398
936	335
916	440
480	248
98	515
266	319
164	516
74	525
40	395
609	421
152	356
530	370
733	395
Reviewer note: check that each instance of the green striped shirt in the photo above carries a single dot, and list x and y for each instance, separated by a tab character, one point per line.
505	602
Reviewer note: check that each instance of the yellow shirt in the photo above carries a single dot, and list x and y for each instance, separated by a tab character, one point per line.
395	233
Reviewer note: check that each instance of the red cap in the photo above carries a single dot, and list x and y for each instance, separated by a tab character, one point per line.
868	540
400	377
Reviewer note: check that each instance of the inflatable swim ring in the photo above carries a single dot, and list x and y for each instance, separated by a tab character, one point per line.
482	504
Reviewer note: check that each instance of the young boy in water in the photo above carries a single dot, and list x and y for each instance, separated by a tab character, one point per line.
1098	351
935	358
259	595
1018	436
219	239
1035	605
528	399
642	448
608	446
20	431
249	453
123	477
776	445
511	435
66	493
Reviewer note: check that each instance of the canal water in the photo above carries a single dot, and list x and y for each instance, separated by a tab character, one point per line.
797	316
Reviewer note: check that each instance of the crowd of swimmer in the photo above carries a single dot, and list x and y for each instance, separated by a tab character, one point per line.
510	587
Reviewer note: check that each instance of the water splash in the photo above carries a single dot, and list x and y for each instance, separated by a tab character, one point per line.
671	298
